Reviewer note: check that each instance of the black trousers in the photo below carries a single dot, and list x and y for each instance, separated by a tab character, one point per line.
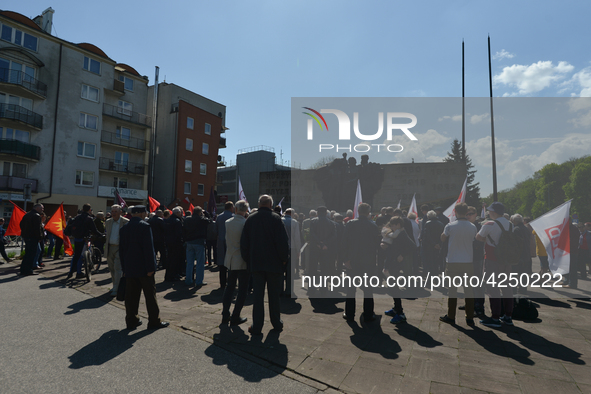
133	291
368	303
273	281
58	247
242	276
223	276
176	260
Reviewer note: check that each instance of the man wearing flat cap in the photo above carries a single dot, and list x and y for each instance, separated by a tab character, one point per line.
138	261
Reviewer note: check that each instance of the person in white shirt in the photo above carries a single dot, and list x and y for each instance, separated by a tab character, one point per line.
112	227
460	259
491	234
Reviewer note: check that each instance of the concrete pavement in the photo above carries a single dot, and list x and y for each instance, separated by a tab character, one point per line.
321	349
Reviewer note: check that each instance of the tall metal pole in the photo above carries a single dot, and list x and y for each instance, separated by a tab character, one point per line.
152	162
492	126
463	111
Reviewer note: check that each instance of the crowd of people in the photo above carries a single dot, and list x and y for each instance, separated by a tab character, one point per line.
268	248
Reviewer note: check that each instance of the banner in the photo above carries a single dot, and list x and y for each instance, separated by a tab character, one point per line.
553	230
413	208
358	200
14	227
241	195
56	225
450	212
119	200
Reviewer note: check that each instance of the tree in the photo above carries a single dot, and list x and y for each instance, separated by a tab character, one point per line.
579	189
472	189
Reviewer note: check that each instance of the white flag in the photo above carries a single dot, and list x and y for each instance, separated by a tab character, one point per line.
398	207
553	230
241	195
450	212
358	200
483	213
413	207
280	205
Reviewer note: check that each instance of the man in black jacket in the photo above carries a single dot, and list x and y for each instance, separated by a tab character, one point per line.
361	241
138	260
32	233
83	226
174	246
432	244
264	247
195	235
159	235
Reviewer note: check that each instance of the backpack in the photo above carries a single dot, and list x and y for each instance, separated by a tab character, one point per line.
509	247
75	227
524	309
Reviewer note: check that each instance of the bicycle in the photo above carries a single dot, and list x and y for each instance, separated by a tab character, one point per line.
92	258
14	241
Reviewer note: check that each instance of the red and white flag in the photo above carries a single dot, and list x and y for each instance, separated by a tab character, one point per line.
358	200
553	230
450	212
241	195
413	208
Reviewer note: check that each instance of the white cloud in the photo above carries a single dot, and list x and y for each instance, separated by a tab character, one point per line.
573	145
503	54
427	146
583	78
455	118
474	119
533	78
480	151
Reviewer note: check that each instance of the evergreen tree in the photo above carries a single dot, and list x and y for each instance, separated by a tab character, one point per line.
472	189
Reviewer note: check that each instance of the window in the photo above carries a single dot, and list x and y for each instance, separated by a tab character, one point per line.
189	144
187	187
14	72
124	108
90	93
203	169
16	100
123	132
7	133
86	150
18	37
88	121
207	129
84	178
121	158
188	166
127	82
205	149
14	169
190	123
94	66
120	183
200	189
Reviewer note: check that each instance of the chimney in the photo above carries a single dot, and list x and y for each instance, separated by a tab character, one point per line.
47	20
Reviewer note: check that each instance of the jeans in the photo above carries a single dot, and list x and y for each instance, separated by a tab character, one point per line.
77	259
51	239
195	251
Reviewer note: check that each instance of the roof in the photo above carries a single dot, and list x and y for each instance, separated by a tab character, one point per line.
93	48
21	19
127	68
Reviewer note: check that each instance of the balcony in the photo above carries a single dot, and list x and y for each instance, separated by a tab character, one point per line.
21	115
15	81
133	143
222	142
106	163
19	148
16	184
127	115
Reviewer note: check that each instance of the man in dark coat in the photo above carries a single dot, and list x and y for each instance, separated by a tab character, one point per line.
524	266
174	246
83	226
361	241
138	260
323	243
159	235
195	236
264	247
432	244
32	233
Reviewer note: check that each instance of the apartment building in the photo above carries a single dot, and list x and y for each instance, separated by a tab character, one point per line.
190	131
72	120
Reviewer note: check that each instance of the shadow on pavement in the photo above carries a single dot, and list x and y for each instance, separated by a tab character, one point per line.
90	303
491	342
372	339
326	305
110	345
545	347
413	333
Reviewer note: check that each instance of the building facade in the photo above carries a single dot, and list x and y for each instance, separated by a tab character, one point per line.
72	120
190	131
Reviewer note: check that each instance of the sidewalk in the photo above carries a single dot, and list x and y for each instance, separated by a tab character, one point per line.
424	355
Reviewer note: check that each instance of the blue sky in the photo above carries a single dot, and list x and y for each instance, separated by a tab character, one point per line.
255	56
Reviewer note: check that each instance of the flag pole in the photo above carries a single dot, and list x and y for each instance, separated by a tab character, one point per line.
492	127
463	111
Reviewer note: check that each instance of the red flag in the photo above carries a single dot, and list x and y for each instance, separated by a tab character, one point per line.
56	225
68	247
154	204
14	227
191	207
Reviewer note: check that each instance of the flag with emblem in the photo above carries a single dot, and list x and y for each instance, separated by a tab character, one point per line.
56	225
